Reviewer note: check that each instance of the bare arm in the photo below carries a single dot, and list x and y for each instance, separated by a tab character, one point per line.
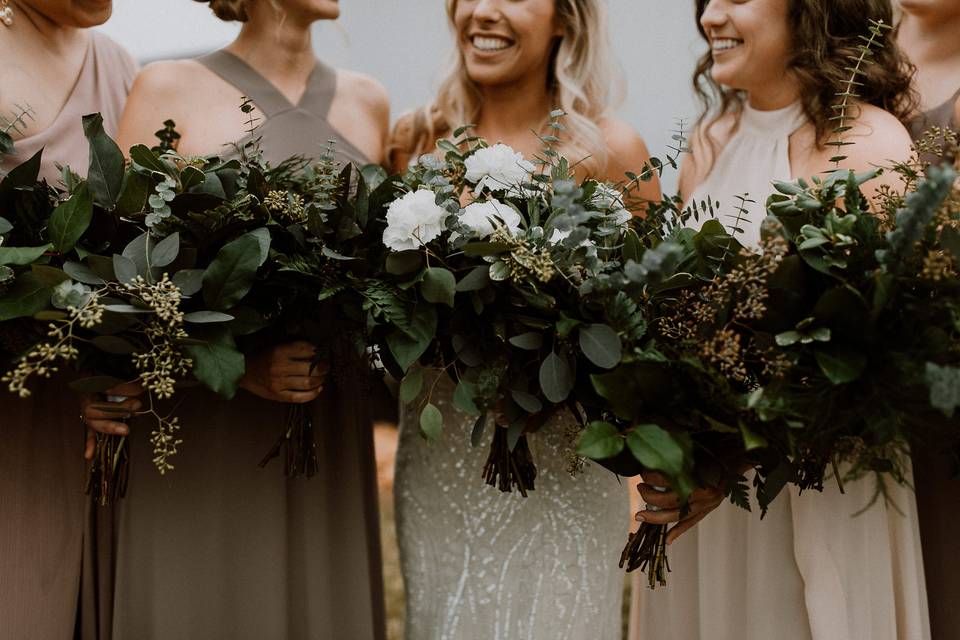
626	151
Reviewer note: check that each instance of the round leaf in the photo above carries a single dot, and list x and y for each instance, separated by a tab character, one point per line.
411	386
556	378
601	345
431	423
439	286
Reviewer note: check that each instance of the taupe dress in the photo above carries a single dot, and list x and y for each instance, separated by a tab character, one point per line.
937	488
43	508
219	548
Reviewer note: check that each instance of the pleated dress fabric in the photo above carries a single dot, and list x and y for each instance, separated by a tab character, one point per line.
221	549
936	483
811	569
54	567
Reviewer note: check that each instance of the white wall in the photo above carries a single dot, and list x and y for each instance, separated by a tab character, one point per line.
404	44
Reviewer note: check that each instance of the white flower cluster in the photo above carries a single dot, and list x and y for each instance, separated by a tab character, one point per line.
414	220
483	218
498	168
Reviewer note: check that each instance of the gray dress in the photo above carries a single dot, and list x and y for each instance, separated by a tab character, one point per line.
221	549
937	488
479	564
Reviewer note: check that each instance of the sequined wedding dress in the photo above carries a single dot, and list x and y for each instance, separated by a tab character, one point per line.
479	564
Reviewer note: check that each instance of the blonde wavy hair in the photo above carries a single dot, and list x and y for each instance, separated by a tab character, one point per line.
581	82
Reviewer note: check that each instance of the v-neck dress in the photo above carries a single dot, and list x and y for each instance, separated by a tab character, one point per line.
811	569
49	571
221	549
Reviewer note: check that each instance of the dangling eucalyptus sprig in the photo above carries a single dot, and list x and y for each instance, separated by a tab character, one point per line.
17	122
844	109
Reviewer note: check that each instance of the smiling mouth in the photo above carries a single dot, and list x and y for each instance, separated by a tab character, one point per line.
490	44
722	45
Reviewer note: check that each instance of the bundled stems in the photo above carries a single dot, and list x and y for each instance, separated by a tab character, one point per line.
110	469
507	469
297	443
647	550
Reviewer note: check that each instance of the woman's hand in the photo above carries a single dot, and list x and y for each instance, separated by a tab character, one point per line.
285	373
102	416
701	503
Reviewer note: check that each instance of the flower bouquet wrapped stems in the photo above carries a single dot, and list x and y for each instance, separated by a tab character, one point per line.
489	256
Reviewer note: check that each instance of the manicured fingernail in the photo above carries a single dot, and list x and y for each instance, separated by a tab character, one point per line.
639	517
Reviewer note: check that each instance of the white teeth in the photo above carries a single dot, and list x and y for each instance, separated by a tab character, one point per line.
725	44
490	44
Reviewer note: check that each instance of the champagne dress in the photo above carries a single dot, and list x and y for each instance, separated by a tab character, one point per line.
479	564
937	485
811	570
221	549
48	530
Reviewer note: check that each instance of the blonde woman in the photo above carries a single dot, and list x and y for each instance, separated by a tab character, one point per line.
478	563
219	548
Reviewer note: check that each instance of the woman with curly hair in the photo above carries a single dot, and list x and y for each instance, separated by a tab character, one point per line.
809	570
221	549
478	563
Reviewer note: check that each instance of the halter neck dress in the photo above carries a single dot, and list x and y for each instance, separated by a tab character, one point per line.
809	570
935	483
219	548
49	538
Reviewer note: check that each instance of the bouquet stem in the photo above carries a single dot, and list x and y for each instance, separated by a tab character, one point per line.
110	470
647	550
297	443
506	468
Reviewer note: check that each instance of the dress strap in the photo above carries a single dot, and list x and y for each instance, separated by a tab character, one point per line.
247	80
321	88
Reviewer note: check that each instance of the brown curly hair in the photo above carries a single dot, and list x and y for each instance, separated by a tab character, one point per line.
825	34
228	10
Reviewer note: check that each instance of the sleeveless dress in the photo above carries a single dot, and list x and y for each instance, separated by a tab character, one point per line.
936	485
221	549
479	564
810	570
50	581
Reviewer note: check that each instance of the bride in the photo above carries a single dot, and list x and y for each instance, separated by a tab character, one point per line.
478	563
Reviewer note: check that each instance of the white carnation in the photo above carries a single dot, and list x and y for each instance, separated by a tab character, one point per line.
414	220
611	199
498	168
483	218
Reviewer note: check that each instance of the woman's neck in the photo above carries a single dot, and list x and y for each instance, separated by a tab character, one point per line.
512	112
774	95
32	26
275	43
930	38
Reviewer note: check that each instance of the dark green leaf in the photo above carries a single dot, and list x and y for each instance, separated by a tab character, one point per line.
124	268
133	196
48	276
632	247
439	286
105	173
841	364
476	280
556	378
147	159
5	226
530	341
404	262
527	401
165	251
217	363
207	317
485	248
231	274
26	297
408	345
189	281
82	273
114	345
70	220
600	440
21	255
601	344
656	449
463	398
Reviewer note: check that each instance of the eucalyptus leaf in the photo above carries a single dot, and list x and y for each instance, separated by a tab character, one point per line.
476	280
26	297
5	226
431	423
189	281
530	341
527	401
124	268
841	364
207	317
601	344
232	273
165	251
217	363
82	273
404	262
556	378
21	255
411	386
463	398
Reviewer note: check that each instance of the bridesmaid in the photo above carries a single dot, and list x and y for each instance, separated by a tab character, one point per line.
53	62
808	571
218	548
478	563
928	35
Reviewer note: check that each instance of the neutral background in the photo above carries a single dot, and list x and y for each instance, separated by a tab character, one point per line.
405	43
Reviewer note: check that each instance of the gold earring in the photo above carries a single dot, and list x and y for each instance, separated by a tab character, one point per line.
6	13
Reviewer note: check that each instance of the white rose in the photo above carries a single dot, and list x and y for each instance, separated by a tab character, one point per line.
483	218
414	220
498	168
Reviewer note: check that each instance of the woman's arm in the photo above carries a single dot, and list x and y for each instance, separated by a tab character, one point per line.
627	152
